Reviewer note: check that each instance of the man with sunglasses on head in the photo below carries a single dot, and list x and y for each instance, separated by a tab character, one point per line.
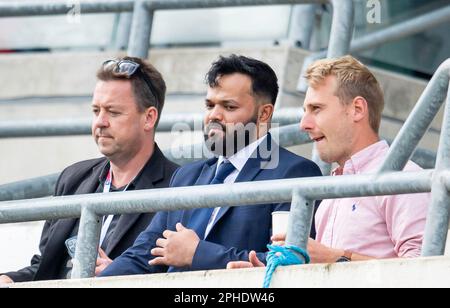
127	104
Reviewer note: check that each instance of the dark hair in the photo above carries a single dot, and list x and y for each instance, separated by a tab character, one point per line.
147	83
264	79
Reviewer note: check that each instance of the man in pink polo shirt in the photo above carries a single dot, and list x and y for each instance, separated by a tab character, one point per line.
343	108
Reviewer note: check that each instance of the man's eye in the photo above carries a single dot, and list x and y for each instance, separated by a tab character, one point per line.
231	108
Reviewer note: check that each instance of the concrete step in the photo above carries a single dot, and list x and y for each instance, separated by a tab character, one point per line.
395	273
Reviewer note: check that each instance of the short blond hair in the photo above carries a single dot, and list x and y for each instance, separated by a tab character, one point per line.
354	79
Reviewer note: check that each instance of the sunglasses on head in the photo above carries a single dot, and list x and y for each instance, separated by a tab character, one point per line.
128	68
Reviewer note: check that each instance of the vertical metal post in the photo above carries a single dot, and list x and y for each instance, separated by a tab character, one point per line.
341	28
87	245
302	25
439	212
300	220
141	30
123	31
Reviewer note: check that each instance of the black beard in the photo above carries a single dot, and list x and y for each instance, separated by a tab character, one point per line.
233	140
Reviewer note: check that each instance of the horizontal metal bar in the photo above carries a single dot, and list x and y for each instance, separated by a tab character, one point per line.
183	198
196	4
45	128
31	188
285	136
168	123
22	9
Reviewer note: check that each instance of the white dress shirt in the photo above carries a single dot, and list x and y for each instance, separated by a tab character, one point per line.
238	160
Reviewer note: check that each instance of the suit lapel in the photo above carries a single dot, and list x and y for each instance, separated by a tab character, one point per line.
89	186
251	169
208	172
205	177
126	221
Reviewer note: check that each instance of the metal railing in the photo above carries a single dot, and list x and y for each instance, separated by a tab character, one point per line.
143	12
302	192
82	126
387	35
92	207
288	135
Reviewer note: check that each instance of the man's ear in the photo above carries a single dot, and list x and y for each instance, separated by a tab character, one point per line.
265	113
151	116
360	109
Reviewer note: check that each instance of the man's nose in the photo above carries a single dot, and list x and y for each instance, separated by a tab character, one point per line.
306	123
215	114
101	120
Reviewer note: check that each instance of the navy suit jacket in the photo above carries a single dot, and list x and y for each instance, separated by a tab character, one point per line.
237	230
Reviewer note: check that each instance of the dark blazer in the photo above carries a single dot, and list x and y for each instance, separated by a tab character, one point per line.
237	230
83	178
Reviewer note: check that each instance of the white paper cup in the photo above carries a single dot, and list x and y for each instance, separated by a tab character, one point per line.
280	222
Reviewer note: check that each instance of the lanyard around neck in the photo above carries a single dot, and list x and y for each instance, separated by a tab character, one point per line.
108	182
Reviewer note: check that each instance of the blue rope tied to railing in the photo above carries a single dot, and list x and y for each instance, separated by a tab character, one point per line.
282	255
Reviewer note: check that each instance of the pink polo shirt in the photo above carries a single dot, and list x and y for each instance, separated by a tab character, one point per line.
380	227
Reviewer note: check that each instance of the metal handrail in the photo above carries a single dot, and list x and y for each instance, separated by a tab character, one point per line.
302	191
387	35
143	12
82	126
91	207
45	186
288	136
419	119
46	8
27	8
342	28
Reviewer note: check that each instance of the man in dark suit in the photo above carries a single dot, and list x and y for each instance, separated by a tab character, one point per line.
240	103
127	102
